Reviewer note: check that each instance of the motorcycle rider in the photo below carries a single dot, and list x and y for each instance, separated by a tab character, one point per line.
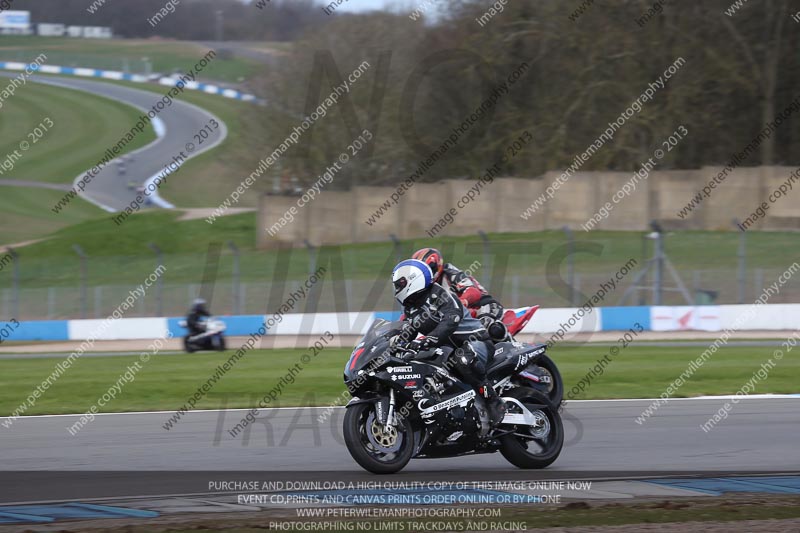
471	293
433	311
195	316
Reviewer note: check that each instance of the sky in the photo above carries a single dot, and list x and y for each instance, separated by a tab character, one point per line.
366	5
405	6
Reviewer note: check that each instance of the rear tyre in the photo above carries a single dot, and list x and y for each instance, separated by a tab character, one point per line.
533	447
550	383
188	346
556	387
371	447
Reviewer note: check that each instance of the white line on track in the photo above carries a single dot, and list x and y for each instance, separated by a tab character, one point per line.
567	402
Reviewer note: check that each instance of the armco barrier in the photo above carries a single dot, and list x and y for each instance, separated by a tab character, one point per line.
236	325
623	318
767	317
700	318
570	319
123	76
41	330
123	328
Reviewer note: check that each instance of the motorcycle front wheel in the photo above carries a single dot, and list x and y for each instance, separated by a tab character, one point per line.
373	447
219	343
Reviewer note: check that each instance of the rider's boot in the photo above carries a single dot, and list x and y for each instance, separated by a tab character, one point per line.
473	371
495	406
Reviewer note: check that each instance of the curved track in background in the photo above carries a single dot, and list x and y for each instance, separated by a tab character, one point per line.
179	122
35	184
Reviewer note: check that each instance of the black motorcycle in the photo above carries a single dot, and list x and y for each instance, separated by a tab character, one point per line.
211	338
544	375
419	408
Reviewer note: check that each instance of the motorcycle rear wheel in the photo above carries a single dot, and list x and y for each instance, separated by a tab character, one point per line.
556	389
516	447
188	346
359	420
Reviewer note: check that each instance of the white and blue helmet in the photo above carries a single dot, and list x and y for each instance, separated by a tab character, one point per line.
410	277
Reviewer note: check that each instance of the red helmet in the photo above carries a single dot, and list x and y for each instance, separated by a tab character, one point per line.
433	258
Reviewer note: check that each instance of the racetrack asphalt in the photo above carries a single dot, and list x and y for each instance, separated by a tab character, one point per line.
181	121
124	454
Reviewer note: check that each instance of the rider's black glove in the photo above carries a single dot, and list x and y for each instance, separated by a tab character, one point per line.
407	356
429	342
424	343
407	333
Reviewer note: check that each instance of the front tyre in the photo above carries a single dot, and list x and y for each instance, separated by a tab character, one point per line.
220	343
375	449
533	446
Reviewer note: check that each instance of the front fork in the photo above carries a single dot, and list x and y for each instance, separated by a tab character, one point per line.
390	412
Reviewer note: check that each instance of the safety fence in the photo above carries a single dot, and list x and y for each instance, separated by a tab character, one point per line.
564	322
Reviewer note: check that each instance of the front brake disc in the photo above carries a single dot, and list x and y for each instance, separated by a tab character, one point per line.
383	440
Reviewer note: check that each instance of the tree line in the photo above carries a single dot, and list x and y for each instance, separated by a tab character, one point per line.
427	76
736	74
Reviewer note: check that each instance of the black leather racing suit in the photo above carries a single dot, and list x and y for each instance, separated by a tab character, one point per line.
193	320
443	319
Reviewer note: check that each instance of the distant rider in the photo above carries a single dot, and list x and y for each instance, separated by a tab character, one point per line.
194	321
433	311
471	293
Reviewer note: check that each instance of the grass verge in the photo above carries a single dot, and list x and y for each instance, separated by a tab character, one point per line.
164	56
67	132
82	126
168	380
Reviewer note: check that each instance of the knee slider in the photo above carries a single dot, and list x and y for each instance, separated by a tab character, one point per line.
465	356
497	331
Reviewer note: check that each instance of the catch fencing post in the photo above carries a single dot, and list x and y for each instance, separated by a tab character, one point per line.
758	277
98	301
658	282
159	282
642	295
51	302
398	257
236	278
570	263
741	254
515	291
312	257
397	247
219	30
15	280
486	251
84	273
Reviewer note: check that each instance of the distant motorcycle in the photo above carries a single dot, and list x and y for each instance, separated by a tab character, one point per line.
211	338
404	408
542	376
